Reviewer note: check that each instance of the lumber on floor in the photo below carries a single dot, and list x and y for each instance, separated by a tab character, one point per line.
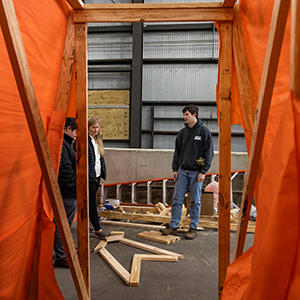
117	267
102	244
156	236
149	248
136	265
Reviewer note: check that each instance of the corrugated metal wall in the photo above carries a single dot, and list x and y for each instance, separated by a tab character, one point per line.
165	86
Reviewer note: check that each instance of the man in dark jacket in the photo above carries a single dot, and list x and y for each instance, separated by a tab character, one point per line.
67	184
191	161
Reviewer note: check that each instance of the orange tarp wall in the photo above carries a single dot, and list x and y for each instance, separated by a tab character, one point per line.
43	26
271	268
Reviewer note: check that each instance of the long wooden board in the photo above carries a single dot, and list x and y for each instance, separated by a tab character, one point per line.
149	248
156	236
117	267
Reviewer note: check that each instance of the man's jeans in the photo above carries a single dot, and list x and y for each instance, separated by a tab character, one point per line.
186	179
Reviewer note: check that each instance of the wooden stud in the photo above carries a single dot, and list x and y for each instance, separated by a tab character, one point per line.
295	48
136	265
114	238
156	236
17	55
117	267
243	71
81	151
149	248
155	12
225	150
76	4
228	3
277	29
101	245
117	233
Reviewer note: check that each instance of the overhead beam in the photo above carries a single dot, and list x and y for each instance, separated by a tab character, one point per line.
173	12
225	151
228	3
83	236
17	55
295	48
243	71
277	29
76	4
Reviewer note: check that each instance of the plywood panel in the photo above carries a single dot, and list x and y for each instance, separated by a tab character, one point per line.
114	122
108	97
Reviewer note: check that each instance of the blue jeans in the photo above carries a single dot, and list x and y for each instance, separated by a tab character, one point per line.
186	179
70	205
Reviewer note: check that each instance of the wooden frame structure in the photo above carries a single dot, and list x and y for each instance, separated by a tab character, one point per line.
231	41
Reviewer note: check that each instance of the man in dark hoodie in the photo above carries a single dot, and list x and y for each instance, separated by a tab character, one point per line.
67	185
192	159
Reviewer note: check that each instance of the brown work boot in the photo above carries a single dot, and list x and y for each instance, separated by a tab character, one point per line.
191	234
169	230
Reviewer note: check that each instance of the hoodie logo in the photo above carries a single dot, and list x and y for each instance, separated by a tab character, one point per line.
197	138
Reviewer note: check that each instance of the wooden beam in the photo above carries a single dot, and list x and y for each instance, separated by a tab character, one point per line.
82	152
277	29
76	4
295	48
17	55
149	248
156	12
117	267
243	71
136	265
225	150
228	3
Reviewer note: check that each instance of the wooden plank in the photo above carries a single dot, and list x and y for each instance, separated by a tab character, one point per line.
101	245
277	28
225	64
156	236
149	248
114	238
76	4
14	43
155	12
117	233
243	72
136	265
295	48
228	3
139	209
81	151
129	224
114	122
135	271
108	97
116	266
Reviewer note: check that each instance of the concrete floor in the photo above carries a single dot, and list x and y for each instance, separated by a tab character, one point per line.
195	277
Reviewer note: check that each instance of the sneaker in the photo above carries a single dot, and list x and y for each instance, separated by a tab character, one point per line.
191	234
168	230
101	235
61	263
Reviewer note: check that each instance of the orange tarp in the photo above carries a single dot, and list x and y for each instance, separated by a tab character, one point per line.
270	269
43	26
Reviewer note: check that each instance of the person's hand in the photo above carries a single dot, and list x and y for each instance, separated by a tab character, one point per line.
175	174
200	177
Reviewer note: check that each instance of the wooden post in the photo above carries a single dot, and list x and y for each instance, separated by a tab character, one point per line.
295	49
277	28
17	55
225	150
82	152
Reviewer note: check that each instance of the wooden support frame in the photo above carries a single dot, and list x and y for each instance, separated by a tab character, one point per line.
82	151
171	12
277	29
17	55
228	3
295	48
76	4
225	150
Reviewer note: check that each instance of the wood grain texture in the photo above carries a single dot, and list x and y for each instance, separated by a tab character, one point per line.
225	150
81	151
